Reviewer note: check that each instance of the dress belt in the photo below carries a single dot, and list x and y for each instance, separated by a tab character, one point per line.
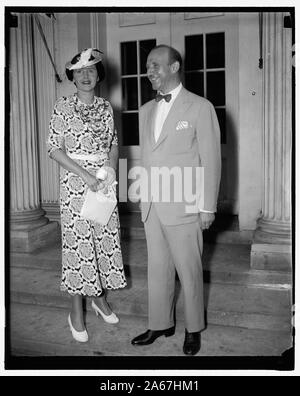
89	157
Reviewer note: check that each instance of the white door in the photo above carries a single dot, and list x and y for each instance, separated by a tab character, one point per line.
208	43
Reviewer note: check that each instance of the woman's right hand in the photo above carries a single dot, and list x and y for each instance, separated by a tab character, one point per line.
93	183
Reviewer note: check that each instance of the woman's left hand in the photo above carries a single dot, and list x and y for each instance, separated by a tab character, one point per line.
108	180
111	175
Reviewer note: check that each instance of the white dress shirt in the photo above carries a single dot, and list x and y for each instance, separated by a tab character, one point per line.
162	111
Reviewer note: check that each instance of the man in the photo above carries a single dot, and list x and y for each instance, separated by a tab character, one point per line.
178	130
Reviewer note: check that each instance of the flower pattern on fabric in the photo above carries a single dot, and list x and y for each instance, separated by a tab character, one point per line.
98	227
66	217
72	259
117	259
113	223
58	123
88	290
70	239
108	244
76	204
85	250
91	252
81	227
88	272
76	183
63	107
104	264
114	278
73	278
76	125
70	141
86	143
63	193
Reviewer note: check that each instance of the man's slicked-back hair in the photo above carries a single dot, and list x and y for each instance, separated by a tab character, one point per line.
174	55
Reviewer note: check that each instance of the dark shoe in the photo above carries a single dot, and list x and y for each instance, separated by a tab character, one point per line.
192	343
150	336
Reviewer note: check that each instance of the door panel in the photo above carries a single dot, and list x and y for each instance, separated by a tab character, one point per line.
209	46
130	39
208	43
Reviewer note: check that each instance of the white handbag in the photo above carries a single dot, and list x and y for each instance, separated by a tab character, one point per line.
98	206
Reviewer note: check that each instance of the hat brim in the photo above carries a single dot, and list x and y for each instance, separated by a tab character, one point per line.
86	58
71	66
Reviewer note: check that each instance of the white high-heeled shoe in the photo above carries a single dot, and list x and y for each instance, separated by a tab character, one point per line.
112	318
81	336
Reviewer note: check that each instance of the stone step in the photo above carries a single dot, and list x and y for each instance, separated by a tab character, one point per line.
249	306
43	331
225	229
222	263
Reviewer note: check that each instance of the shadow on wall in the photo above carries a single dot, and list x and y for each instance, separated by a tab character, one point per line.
112	83
228	192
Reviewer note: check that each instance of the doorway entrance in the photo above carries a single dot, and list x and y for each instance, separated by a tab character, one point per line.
208	43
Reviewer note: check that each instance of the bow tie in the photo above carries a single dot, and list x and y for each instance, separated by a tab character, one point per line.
166	97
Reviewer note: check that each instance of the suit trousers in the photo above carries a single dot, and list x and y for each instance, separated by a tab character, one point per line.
170	249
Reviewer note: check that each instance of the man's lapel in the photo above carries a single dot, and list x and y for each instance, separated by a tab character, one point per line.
150	122
178	108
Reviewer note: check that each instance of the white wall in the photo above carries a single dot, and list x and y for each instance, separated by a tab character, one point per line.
66	43
250	122
62	38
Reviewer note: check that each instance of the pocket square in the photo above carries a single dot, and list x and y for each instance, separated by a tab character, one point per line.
182	125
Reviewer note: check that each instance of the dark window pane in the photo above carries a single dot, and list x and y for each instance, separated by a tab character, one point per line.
194	82
147	92
221	113
129	58
215	50
129	94
216	88
193	52
145	47
130	129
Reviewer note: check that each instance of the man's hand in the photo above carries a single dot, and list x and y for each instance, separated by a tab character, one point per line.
206	220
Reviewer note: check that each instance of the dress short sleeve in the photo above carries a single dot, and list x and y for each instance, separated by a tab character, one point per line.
57	127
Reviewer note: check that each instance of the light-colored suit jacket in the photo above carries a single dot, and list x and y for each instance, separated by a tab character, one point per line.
190	137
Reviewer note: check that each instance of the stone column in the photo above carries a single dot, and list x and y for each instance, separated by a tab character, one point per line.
271	248
46	95
29	228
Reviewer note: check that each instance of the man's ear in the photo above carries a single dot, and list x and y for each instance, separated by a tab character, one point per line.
175	67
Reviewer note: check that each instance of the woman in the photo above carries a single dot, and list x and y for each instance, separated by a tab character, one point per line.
82	139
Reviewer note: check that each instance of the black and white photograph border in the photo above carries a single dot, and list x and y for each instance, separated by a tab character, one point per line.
249	252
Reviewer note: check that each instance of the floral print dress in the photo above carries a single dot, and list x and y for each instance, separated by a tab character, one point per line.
91	252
